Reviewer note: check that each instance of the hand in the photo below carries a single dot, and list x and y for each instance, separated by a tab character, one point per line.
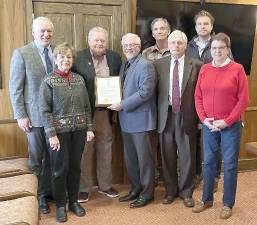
54	143
116	106
199	126
24	124
208	123
90	135
220	124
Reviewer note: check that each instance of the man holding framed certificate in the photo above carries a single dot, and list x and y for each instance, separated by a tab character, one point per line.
99	67
137	115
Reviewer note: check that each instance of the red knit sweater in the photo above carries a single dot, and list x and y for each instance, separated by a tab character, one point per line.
222	92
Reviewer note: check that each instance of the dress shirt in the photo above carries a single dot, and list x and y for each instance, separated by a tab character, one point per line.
201	45
227	61
101	66
42	55
180	73
152	53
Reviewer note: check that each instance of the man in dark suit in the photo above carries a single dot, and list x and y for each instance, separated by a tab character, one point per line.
94	61
29	65
177	118
137	114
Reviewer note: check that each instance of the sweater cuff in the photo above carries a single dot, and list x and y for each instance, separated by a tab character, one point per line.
50	132
90	127
229	122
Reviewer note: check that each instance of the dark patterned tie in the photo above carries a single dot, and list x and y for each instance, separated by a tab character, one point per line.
175	89
126	67
49	66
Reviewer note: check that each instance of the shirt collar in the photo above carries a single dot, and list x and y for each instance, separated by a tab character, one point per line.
180	60
99	58
156	49
133	59
226	62
197	41
41	48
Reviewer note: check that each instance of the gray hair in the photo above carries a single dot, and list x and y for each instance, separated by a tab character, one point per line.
41	19
163	20
179	33
94	30
131	35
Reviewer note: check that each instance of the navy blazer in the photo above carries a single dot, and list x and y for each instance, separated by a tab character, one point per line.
84	66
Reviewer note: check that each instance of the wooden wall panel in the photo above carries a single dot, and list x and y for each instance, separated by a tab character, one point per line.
13	141
64	29
12	35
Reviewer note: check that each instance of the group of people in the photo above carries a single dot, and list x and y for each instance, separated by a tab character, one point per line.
181	89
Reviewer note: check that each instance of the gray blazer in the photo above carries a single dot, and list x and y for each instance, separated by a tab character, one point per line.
27	72
139	99
191	70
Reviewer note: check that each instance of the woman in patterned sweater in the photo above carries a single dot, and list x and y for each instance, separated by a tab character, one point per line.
66	116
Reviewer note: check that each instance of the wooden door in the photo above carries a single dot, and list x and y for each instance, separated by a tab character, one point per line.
73	20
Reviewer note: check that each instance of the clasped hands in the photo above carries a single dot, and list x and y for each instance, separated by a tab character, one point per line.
215	125
55	143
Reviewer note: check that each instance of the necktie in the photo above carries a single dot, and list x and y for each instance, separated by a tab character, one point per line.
49	66
126	67
175	89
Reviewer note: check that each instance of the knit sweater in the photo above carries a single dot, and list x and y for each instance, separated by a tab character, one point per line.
64	104
222	92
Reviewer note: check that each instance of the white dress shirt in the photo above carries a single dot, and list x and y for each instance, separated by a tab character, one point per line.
181	61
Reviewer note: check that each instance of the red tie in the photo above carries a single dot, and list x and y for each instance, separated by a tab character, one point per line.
175	90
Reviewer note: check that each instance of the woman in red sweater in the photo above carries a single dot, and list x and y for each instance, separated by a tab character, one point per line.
221	96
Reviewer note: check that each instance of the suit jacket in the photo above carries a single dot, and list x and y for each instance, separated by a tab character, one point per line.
139	100
84	66
27	72
191	70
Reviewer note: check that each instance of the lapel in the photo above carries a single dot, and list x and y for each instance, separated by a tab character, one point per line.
110	62
37	59
131	70
187	73
122	72
88	63
166	73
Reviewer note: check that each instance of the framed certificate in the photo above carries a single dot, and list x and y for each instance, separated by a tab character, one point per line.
107	90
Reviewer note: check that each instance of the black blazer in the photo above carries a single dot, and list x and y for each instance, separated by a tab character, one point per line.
84	66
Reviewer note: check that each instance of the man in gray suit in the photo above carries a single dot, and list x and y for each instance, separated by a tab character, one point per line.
29	65
177	118
137	114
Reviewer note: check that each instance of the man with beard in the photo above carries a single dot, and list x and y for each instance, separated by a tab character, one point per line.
94	61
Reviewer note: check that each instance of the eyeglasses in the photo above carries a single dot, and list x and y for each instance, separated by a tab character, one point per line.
133	45
219	48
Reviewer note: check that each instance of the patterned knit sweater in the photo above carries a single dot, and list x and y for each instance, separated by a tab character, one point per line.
64	104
